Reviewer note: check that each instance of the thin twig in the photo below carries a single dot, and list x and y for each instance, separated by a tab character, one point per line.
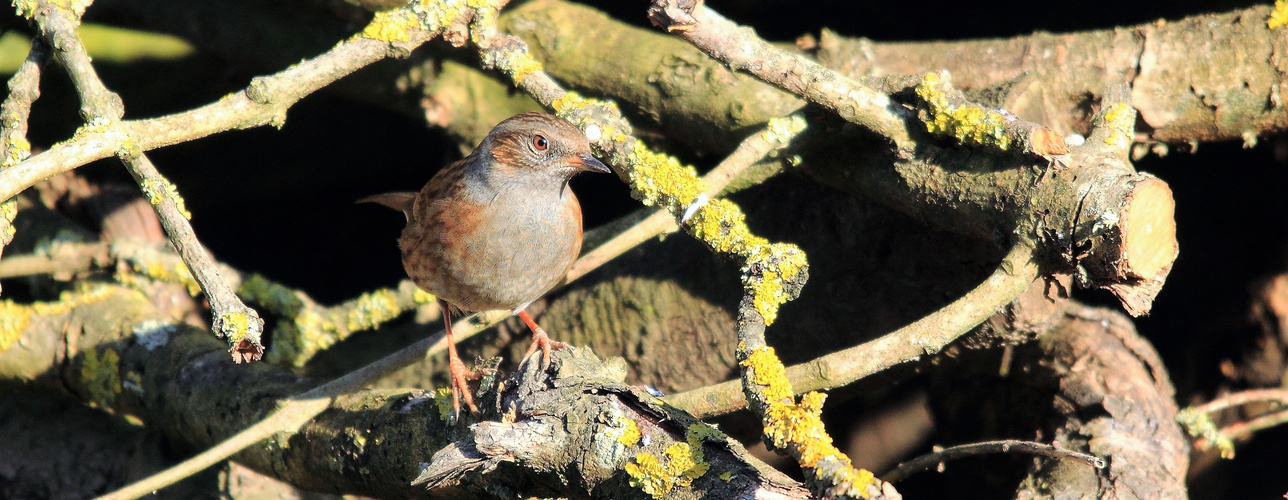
264	102
24	89
935	458
926	336
238	324
748	152
1241	398
740	49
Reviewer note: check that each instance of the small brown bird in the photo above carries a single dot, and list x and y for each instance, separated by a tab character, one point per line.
498	228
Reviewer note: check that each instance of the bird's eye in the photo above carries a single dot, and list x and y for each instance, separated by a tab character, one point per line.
539	142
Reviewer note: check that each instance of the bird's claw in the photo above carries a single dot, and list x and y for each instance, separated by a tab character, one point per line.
461	386
540	339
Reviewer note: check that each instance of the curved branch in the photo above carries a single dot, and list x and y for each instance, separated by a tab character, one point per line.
926	336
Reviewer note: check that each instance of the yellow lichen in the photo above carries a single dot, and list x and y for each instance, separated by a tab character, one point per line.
101	377
685	463
1278	16
422	297
780	130
155	270
799	426
630	433
767	274
19	149
13	320
768	371
1200	425
371	309
158	191
237	325
968	123
8	210
443	400
726	476
15	317
649	476
1120	120
658	179
392	25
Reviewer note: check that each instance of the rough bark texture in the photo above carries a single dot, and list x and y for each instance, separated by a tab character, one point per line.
1089	384
1232	89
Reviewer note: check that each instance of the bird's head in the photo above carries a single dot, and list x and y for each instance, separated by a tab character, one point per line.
535	145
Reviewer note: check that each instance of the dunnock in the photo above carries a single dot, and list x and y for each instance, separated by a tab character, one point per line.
499	228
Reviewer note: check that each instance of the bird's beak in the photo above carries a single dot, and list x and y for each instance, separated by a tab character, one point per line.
586	162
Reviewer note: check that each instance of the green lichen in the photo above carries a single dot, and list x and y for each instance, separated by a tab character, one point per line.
273	296
726	476
968	123
101	377
1120	120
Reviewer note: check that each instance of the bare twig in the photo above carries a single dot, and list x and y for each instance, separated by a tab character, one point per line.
24	89
741	49
924	337
238	324
1277	396
1198	419
776	136
264	102
938	457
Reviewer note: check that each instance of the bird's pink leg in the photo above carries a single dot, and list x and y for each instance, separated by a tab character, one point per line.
456	369
540	339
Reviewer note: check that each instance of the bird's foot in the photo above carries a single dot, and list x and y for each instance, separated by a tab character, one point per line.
546	344
460	383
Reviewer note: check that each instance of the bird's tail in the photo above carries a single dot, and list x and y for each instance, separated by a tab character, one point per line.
403	200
